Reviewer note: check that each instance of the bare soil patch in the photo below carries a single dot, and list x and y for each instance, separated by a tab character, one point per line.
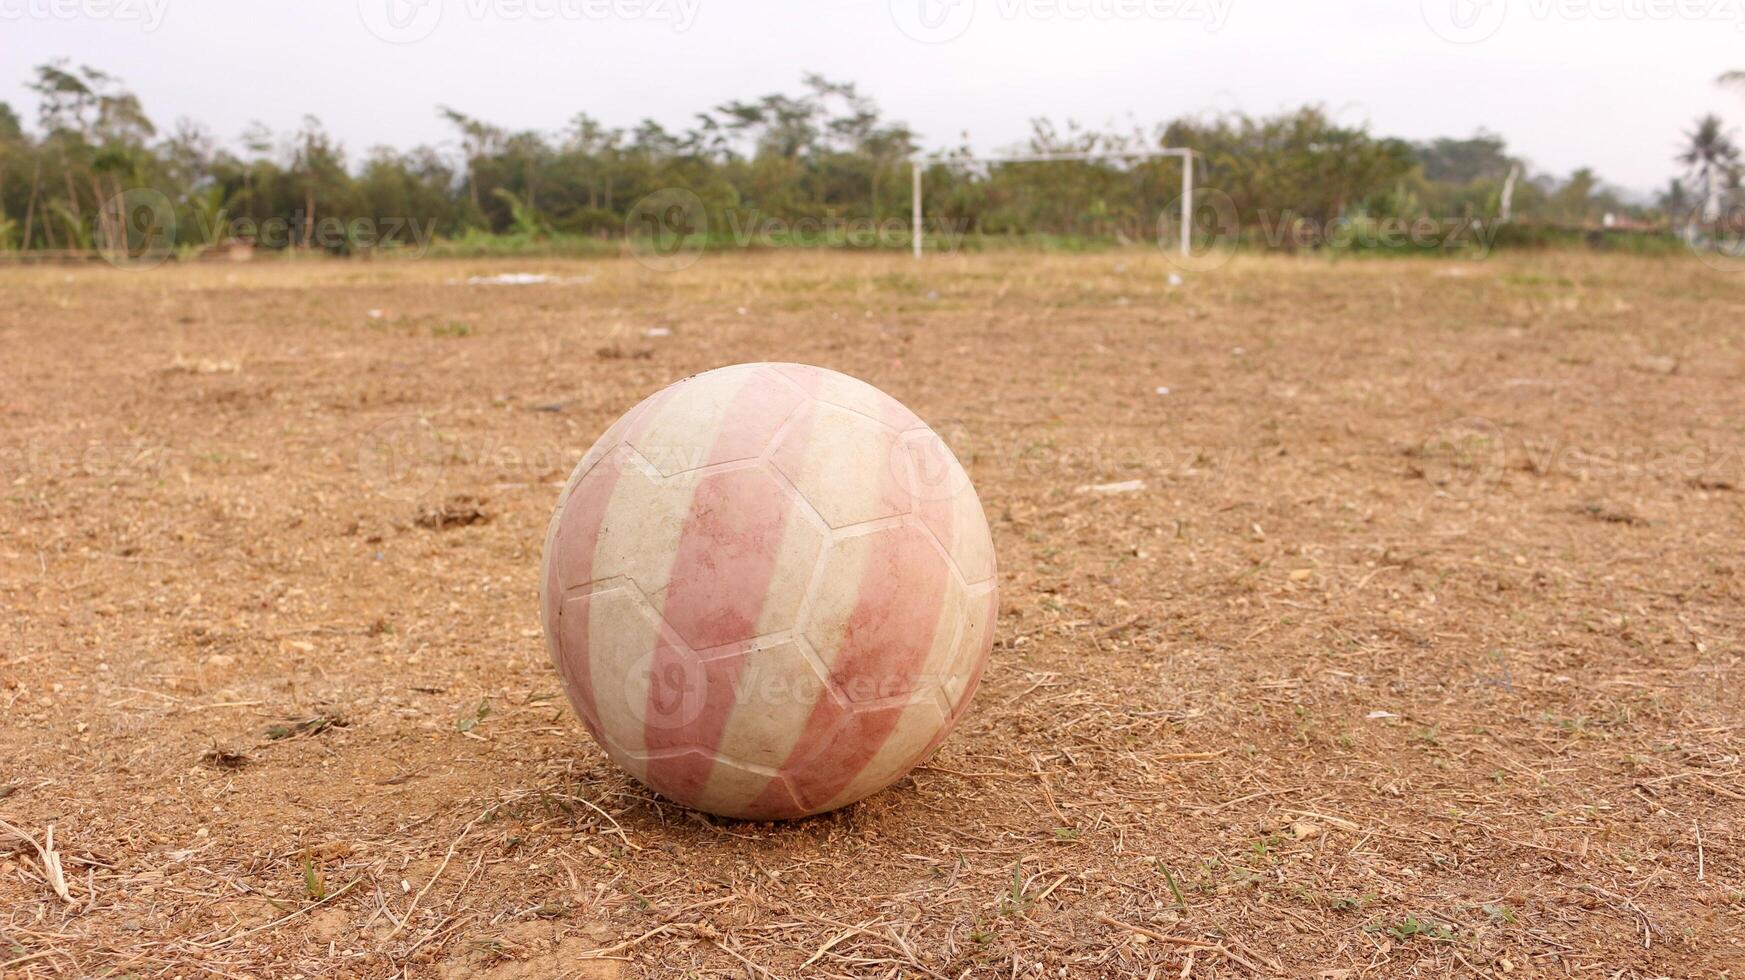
1414	651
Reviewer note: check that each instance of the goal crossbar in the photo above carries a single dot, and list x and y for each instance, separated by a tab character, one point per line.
920	166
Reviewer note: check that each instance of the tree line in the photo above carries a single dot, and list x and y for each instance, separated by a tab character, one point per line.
826	154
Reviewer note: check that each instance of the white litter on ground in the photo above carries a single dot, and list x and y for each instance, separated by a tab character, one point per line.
1163	391
1175	279
657	332
1130	486
523	279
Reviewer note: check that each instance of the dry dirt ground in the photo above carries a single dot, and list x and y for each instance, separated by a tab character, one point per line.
1415	654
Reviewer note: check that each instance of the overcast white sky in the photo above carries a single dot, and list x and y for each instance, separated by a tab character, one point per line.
1606	83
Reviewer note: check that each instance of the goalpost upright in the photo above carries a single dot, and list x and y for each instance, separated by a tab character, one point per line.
1187	199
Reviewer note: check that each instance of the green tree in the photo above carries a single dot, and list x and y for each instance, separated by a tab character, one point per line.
12	148
1300	164
823	151
318	173
479	141
98	131
1482	157
1572	203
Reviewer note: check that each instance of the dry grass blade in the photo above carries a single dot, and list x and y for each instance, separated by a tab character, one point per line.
46	854
839	937
1153	934
281	920
1328	819
1236	957
446	858
616	829
26	958
605	952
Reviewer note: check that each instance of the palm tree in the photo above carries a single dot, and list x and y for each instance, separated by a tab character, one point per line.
1713	162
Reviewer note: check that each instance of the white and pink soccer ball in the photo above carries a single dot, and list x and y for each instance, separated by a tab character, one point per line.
769	590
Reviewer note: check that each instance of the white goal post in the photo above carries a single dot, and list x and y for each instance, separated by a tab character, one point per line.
920	165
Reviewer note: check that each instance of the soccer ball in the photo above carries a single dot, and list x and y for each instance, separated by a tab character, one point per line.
769	590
